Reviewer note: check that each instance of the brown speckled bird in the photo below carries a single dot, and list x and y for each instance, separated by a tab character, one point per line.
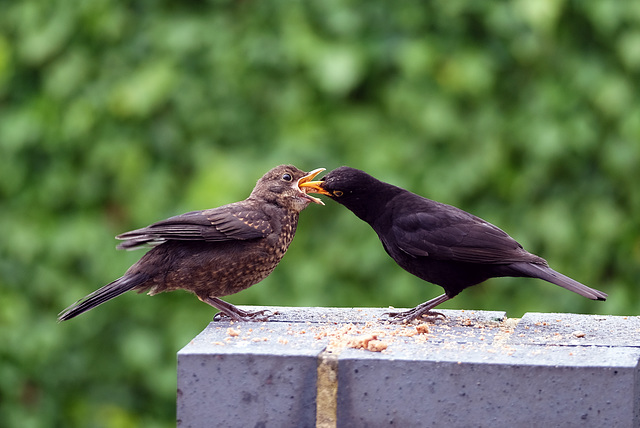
215	252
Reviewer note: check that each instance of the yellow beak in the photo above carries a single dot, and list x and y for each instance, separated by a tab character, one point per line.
305	182
314	187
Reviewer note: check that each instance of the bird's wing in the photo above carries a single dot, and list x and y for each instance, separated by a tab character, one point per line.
225	223
455	235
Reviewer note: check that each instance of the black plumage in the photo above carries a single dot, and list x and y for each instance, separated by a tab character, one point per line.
439	243
215	252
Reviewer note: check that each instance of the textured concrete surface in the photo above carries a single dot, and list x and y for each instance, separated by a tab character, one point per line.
471	369
561	329
248	375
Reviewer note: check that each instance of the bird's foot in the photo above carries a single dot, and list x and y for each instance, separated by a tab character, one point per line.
234	313
423	310
412	314
240	315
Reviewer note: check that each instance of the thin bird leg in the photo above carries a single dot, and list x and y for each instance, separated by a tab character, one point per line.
419	311
233	312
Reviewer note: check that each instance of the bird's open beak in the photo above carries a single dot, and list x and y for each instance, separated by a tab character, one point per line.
304	185
314	187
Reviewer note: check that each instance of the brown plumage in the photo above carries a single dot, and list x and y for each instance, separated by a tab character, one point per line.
215	252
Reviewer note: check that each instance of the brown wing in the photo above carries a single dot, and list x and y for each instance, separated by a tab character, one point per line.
226	223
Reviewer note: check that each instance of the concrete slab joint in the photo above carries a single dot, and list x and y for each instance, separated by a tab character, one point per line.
344	367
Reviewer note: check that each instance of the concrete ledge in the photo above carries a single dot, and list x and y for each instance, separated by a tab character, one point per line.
345	367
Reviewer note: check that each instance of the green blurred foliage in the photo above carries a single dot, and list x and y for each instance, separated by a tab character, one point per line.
116	114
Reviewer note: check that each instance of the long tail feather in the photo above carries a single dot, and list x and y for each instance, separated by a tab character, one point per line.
550	275
101	295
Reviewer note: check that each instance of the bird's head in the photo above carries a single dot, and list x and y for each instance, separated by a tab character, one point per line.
355	189
282	185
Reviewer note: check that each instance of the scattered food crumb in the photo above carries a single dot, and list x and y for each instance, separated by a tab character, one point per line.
232	333
361	341
579	333
376	346
422	328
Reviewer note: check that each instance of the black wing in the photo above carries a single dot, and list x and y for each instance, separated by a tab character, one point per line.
448	233
226	223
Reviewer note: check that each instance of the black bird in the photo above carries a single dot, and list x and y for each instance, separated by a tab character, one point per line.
437	242
215	252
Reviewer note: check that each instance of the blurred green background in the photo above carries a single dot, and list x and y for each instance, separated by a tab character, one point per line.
116	114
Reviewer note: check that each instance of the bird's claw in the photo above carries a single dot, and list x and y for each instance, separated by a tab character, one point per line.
410	315
257	316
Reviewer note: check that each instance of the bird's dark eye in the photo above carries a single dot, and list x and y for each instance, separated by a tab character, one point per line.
287	177
337	193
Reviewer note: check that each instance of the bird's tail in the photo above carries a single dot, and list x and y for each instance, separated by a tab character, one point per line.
545	272
101	295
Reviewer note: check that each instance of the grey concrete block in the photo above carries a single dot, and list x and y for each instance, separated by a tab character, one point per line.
551	387
576	329
242	378
483	374
472	369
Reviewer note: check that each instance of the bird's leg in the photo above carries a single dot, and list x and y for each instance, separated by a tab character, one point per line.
419	311
233	312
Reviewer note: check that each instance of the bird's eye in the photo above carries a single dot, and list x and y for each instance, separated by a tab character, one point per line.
287	177
337	193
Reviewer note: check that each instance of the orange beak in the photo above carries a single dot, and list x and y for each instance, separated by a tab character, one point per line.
305	182
314	187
